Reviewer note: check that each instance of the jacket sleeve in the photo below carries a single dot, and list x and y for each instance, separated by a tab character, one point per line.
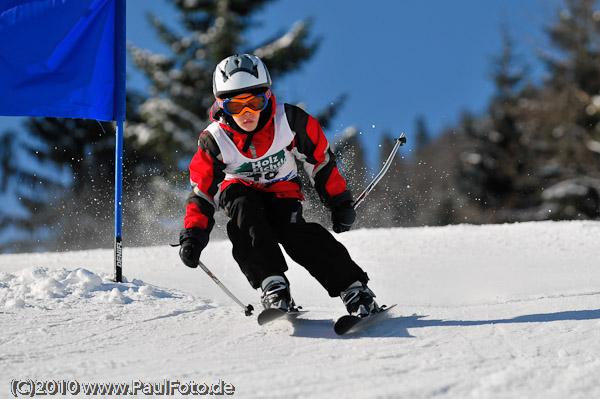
311	147
207	172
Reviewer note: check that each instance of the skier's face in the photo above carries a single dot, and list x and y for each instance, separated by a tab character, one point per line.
248	121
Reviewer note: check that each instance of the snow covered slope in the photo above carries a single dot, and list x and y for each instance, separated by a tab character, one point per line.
502	311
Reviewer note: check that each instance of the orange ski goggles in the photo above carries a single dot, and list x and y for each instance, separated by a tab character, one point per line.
236	106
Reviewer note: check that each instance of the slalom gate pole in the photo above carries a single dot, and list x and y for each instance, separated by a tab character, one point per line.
119	117
247	309
119	203
399	142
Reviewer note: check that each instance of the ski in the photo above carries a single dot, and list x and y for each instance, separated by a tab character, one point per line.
347	323
272	314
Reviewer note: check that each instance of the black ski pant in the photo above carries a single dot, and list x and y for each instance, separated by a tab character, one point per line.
260	221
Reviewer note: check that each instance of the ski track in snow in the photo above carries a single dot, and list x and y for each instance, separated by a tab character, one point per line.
498	311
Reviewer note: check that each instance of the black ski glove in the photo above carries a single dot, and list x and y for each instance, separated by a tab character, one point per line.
343	214
192	241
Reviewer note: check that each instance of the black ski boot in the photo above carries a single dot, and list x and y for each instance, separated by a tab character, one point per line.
358	299
276	294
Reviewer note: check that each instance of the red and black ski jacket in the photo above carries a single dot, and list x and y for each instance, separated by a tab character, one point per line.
308	144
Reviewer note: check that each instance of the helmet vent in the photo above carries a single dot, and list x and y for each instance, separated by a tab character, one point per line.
239	64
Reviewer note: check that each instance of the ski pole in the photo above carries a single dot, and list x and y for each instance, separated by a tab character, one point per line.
247	309
399	141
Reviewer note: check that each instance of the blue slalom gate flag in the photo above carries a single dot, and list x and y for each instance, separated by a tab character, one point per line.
66	59
58	59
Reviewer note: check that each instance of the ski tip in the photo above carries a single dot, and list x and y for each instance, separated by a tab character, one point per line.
348	323
269	315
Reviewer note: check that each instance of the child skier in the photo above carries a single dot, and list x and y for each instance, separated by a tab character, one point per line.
246	165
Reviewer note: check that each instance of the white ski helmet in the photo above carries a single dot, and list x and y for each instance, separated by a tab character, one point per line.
237	74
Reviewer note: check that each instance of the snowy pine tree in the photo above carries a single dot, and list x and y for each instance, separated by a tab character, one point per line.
160	134
181	83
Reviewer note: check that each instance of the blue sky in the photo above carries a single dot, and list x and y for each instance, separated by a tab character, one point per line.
395	59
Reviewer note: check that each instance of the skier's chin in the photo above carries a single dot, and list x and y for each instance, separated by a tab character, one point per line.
248	125
247	122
